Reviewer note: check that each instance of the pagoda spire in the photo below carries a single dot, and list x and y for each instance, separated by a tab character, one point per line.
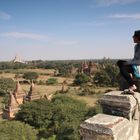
32	89
18	93
12	100
11	109
18	88
32	94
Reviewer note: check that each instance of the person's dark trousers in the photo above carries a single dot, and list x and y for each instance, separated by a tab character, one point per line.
125	71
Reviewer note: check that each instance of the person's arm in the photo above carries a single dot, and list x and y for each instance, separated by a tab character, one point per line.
136	59
137	62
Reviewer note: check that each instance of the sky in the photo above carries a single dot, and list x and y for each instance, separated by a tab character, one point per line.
68	29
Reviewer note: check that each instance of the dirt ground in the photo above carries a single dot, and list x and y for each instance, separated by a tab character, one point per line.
50	90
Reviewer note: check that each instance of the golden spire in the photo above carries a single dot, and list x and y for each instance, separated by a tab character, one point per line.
18	88
12	100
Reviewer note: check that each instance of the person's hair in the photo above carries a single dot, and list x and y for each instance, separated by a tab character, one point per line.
137	34
138	37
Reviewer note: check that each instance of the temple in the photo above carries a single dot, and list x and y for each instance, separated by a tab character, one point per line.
18	93
89	68
17	98
32	94
11	109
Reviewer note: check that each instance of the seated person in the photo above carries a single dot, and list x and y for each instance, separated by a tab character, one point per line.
126	67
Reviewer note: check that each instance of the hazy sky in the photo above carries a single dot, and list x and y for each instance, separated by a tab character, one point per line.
68	29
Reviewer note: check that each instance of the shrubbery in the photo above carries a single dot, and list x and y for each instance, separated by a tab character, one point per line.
107	76
52	81
81	79
15	130
61	117
6	85
30	75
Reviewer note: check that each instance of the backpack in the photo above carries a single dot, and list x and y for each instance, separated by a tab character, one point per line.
136	69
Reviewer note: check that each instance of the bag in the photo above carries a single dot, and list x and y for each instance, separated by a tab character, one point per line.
136	69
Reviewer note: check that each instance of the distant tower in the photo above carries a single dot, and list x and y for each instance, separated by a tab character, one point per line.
11	109
93	68
32	94
18	59
90	67
18	93
85	65
63	86
72	70
85	68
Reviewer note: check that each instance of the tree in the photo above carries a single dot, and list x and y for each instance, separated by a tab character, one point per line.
6	85
15	130
52	81
72	112
101	78
112	72
107	76
63	70
81	79
37	113
60	117
30	75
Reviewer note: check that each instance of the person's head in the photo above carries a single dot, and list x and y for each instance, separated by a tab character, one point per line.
136	36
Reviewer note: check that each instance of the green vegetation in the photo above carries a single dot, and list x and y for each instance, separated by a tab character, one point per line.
52	81
30	75
6	85
81	79
61	117
58	119
15	130
107	76
102	78
113	72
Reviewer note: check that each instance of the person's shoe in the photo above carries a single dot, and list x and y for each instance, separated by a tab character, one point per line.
128	91
132	88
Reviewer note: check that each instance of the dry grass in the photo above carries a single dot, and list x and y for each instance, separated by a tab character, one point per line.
45	71
40	71
89	100
7	75
48	90
44	75
59	79
92	99
42	89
